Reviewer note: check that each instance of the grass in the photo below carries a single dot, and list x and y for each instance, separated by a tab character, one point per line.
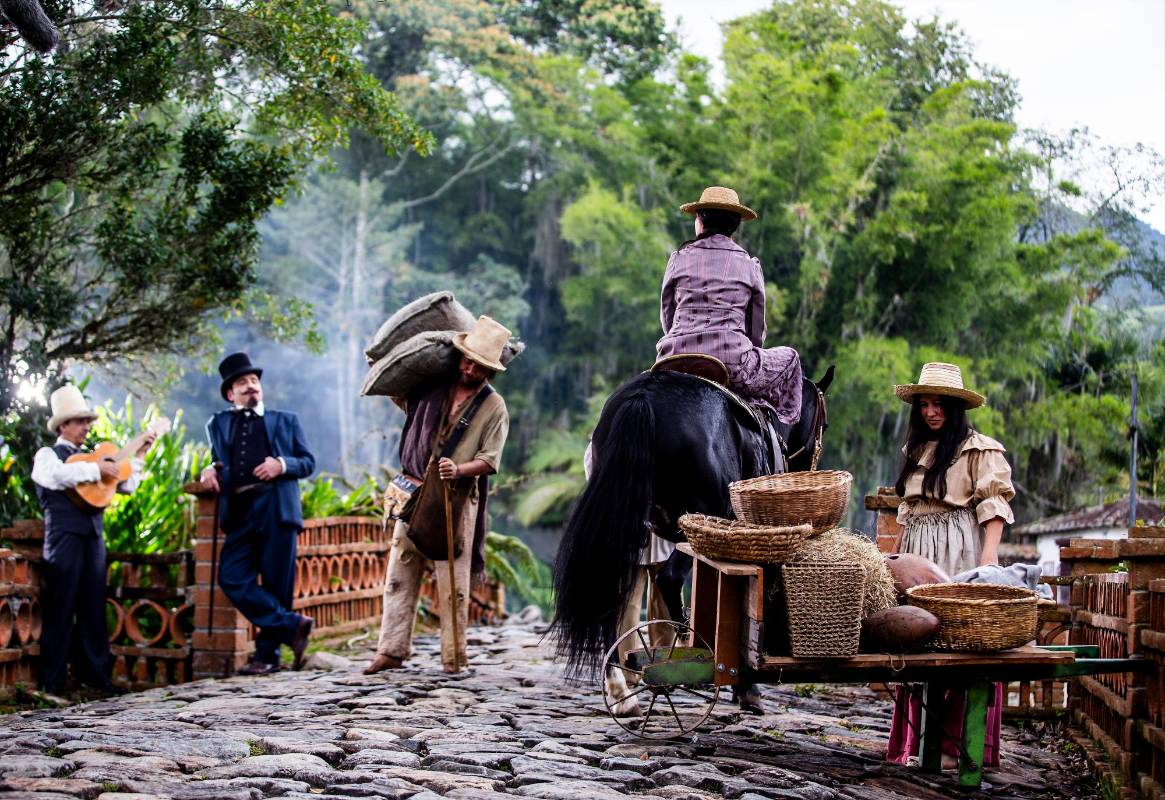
257	748
806	689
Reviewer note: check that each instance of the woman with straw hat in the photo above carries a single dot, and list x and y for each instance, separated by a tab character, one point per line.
956	489
713	303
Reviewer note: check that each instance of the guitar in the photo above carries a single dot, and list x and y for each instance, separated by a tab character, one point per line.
100	493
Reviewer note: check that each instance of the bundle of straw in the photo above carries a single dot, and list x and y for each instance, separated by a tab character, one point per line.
844	544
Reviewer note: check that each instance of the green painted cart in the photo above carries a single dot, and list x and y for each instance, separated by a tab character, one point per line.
680	669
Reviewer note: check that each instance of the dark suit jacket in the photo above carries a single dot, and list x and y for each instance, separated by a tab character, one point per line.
288	442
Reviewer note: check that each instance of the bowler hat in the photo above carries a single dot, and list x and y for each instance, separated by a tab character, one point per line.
233	367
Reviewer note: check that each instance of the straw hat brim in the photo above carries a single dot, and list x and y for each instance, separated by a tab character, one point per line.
745	212
906	393
459	343
57	420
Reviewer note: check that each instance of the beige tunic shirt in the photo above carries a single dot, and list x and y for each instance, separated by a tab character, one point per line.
979	479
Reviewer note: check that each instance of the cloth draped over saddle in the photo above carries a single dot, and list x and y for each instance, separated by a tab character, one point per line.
422	423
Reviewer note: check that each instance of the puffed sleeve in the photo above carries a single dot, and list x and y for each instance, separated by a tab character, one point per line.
667	297
755	317
993	489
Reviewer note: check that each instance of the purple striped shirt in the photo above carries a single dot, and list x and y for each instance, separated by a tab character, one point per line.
713	302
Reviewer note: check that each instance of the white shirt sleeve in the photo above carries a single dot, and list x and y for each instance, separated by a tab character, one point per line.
54	474
133	481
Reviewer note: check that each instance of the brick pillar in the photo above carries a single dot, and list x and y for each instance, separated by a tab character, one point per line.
221	645
885	503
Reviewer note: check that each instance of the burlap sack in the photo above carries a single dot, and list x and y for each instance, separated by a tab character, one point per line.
438	311
425	355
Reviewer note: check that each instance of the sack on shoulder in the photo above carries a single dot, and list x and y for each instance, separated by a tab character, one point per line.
426	516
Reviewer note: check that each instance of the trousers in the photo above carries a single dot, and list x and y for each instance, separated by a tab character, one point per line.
73	610
257	546
402	583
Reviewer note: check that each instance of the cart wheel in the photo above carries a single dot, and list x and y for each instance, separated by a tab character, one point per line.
668	710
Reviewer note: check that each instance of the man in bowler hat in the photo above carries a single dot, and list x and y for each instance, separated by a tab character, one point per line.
260	454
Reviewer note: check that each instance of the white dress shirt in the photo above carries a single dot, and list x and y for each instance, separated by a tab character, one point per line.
50	472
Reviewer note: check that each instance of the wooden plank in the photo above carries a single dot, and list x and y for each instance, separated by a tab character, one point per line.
728	644
933	720
1018	655
974	736
724	567
704	601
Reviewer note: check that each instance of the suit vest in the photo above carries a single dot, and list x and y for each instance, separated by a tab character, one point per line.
65	514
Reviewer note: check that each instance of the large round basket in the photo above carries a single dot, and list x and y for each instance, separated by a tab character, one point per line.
824	607
731	540
818	498
978	617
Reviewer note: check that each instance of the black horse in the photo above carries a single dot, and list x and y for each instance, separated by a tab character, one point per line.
666	444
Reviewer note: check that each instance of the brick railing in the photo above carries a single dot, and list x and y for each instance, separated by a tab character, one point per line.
1118	604
20	618
159	605
340	569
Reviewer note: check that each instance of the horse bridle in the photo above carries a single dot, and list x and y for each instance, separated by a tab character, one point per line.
820	420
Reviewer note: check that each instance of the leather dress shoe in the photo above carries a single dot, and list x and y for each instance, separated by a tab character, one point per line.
383	662
111	689
254	667
299	641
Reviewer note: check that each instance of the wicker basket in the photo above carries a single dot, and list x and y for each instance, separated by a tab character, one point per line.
818	498
824	607
978	617
730	540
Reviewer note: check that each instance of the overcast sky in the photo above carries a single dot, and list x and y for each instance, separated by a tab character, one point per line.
1094	63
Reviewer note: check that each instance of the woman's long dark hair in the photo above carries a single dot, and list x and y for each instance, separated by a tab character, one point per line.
949	439
716	221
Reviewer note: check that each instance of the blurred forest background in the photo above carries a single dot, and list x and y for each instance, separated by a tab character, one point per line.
191	179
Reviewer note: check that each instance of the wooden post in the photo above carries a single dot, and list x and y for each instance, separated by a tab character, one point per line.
454	622
974	735
933	719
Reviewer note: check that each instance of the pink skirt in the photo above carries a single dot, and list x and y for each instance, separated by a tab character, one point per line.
906	725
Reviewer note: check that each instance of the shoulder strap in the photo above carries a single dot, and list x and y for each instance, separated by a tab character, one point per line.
466	418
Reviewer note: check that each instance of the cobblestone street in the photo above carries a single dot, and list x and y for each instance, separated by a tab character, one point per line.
511	725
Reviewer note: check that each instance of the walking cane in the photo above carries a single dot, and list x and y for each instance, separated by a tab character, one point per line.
452	579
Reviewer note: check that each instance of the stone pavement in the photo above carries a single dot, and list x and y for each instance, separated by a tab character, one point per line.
512	725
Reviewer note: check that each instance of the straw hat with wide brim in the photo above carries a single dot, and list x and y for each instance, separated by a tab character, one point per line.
484	343
722	198
68	403
939	378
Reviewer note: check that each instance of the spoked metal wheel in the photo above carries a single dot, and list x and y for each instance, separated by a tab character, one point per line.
669	672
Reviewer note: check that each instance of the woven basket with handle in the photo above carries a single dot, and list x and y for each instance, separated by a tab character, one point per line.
818	497
824	607
978	617
731	540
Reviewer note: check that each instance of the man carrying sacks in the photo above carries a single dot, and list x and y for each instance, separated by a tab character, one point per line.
453	436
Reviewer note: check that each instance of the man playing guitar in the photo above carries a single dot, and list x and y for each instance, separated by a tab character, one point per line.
73	600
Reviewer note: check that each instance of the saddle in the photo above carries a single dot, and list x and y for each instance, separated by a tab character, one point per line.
712	371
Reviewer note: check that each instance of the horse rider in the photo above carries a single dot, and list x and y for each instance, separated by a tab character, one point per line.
713	303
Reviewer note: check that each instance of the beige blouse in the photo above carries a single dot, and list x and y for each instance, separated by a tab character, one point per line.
980	479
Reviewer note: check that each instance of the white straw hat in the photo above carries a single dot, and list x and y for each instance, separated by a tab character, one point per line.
68	403
484	342
939	378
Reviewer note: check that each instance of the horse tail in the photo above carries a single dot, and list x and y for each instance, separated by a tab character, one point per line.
595	568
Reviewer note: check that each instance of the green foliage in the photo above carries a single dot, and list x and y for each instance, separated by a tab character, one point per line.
139	158
158	517
321	498
510	561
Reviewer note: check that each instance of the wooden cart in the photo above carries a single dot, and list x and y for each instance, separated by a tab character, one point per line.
682	668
